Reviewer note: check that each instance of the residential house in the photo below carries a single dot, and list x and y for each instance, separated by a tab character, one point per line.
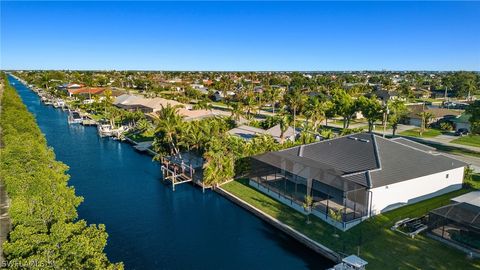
461	122
439	114
153	105
248	132
354	177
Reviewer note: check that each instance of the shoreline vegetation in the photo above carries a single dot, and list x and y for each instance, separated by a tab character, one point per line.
46	232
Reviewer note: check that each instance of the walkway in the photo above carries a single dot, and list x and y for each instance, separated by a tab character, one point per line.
4	203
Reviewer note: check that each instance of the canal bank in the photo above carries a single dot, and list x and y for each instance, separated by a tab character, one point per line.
308	242
151	227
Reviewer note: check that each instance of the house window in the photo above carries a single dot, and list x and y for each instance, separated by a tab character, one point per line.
446	176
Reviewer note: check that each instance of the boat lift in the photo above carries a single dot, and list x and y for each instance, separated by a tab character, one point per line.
177	173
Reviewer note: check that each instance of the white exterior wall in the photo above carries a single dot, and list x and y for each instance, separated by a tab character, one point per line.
389	197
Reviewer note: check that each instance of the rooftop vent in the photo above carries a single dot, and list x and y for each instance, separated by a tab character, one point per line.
358	139
300	151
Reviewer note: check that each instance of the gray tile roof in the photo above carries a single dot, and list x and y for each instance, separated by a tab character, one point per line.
349	154
365	159
401	163
414	144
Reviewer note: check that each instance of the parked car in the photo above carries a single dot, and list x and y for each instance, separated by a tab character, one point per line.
461	132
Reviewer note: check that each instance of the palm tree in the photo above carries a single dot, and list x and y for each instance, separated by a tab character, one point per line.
307	206
143	125
45	80
425	116
284	121
316	111
397	111
108	99
237	111
295	101
168	129
203	105
219	163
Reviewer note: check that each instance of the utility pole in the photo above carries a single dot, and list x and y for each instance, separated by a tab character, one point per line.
385	115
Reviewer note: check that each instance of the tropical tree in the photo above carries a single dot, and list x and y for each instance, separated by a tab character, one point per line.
371	109
337	216
107	99
344	105
316	110
397	111
168	130
219	163
203	105
143	125
295	100
237	111
425	117
284	121
307	206
327	134
307	135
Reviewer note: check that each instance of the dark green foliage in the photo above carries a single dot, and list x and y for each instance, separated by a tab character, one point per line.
474	110
45	231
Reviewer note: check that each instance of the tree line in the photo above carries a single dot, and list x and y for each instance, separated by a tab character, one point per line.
46	231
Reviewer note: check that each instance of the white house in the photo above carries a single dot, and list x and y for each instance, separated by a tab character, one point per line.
354	177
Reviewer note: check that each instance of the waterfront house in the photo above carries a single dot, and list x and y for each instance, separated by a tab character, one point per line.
153	105
85	91
354	177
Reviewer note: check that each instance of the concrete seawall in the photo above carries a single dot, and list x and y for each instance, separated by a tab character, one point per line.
315	246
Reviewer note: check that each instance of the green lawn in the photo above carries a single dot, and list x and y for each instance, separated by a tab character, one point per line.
140	138
381	247
429	133
471	140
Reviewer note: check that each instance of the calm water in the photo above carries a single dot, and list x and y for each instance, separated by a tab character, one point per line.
149	225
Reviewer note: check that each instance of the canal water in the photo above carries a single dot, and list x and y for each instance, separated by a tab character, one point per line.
149	225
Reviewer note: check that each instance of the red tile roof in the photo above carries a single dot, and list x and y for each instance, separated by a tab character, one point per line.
93	91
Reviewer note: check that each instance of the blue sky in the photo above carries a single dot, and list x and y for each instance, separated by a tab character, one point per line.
240	35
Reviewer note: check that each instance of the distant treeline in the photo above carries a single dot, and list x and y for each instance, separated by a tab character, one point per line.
46	233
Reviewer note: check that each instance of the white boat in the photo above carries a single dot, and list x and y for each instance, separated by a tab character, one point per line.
74	117
59	103
105	130
48	102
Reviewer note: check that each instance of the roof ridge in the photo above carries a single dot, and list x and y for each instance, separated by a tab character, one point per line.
377	153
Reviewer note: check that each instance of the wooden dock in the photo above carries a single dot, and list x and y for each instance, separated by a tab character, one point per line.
179	173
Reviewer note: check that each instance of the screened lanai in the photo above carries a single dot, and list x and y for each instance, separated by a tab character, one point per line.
292	177
458	223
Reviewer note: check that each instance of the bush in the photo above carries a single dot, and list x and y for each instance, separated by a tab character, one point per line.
446	126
